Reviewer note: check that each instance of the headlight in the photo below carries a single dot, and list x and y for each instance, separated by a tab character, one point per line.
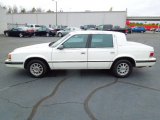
9	56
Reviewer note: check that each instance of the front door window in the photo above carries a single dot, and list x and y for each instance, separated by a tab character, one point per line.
76	41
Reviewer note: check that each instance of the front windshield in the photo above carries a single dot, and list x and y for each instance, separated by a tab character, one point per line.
54	44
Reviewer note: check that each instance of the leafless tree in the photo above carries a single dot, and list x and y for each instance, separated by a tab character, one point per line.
15	9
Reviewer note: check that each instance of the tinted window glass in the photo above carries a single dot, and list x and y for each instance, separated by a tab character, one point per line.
76	41
44	29
100	27
37	26
40	29
102	41
20	29
15	29
67	29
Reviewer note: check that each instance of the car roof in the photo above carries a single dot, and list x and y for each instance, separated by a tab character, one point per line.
96	32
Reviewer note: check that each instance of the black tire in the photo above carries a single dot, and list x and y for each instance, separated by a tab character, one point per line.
60	35
122	68
37	68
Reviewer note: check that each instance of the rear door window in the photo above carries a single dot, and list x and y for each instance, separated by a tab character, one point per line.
102	41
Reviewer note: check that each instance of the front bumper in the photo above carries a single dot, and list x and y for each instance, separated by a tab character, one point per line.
10	63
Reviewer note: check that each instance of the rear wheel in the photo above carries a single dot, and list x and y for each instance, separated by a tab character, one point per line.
122	68
20	35
37	68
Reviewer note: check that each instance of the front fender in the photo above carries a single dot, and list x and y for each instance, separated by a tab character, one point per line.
37	56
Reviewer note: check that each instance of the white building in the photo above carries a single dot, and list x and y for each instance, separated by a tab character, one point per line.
76	19
3	20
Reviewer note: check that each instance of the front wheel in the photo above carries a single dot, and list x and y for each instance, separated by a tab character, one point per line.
60	35
37	68
47	34
6	34
122	68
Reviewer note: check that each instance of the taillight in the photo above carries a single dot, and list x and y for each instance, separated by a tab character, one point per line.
29	31
151	54
9	56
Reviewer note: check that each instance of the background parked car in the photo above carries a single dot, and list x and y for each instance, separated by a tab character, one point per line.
105	27
88	27
139	29
109	27
128	30
67	30
60	27
158	30
34	26
19	32
44	31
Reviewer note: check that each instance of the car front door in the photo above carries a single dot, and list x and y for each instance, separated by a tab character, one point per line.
44	31
40	32
73	54
14	32
101	51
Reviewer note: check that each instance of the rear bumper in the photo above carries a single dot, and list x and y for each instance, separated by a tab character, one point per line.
146	63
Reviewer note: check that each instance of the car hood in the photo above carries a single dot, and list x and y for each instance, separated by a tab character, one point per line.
33	48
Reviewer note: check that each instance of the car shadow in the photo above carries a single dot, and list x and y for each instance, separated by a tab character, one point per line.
62	73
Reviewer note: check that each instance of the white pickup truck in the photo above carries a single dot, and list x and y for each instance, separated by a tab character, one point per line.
84	50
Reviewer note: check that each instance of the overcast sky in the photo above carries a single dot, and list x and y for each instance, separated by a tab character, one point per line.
134	7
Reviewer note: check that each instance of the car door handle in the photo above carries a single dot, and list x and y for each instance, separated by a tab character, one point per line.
82	52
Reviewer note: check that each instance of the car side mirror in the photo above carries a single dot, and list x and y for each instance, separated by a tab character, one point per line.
60	47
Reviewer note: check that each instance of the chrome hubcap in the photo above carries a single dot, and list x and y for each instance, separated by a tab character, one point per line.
47	34
36	69
20	35
60	34
123	69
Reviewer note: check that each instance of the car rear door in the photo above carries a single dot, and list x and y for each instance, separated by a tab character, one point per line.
73	55
101	51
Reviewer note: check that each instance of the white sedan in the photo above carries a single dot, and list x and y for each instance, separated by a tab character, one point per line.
84	50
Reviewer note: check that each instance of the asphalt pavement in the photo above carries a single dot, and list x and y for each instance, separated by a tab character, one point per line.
79	94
